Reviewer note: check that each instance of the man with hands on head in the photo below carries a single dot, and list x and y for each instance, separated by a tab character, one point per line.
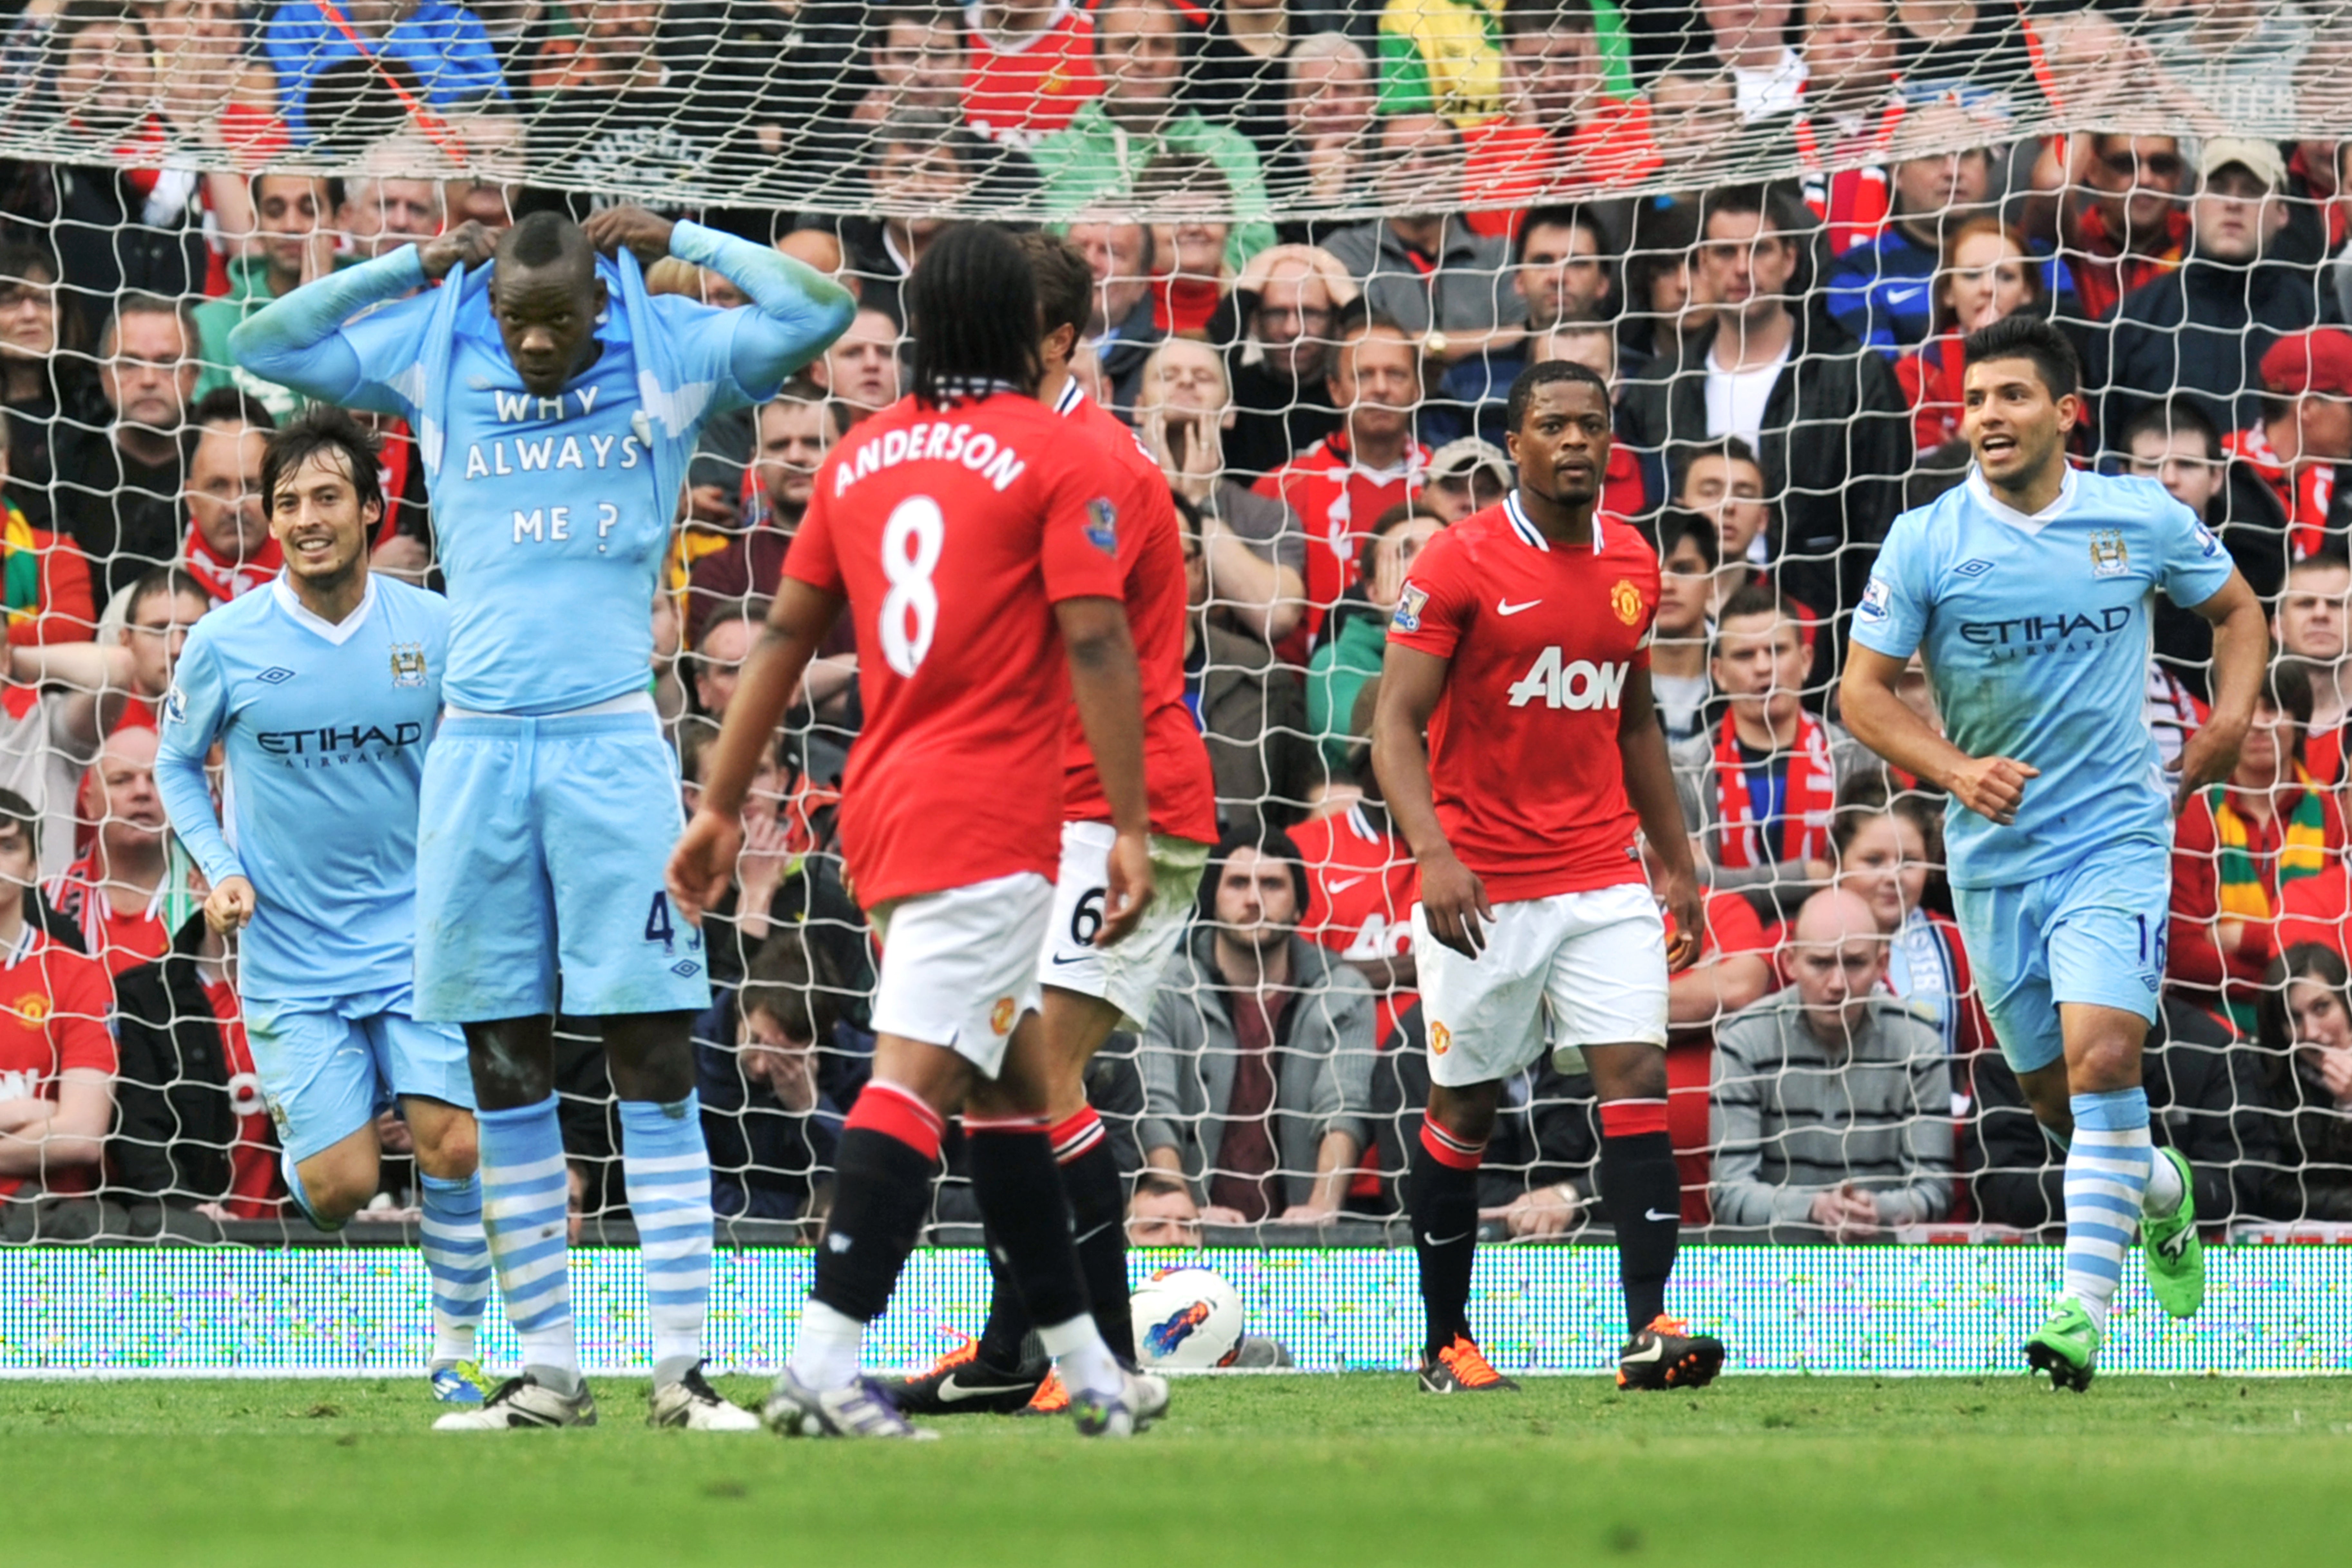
1521	647
557	406
2027	590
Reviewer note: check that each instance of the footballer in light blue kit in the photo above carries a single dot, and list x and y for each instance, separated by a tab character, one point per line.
323	688
2027	592
555	405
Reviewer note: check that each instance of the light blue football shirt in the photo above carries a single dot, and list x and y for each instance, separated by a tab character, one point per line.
548	518
324	726
551	515
2036	633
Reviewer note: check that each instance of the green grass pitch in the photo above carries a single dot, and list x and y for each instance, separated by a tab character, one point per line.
1358	1470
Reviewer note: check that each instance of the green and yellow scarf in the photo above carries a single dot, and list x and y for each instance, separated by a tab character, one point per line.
2302	849
2303	852
20	564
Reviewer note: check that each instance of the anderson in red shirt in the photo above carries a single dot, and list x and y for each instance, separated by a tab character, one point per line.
952	532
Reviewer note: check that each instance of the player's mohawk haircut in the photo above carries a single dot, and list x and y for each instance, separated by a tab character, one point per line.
542	239
972	305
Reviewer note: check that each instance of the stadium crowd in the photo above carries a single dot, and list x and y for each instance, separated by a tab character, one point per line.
1323	390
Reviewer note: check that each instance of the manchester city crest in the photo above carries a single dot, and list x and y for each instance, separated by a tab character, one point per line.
2108	556
408	664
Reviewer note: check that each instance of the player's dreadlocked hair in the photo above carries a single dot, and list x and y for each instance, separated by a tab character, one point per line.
321	427
972	305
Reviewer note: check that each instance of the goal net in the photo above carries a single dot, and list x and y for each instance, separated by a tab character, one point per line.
1325	236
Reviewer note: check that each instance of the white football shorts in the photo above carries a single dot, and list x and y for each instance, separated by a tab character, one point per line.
1127	975
959	967
1574	969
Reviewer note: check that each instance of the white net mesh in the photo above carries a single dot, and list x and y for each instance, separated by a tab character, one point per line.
1843	189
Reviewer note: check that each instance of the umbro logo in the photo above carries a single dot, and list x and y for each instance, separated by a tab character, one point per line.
1972	568
686	969
274	675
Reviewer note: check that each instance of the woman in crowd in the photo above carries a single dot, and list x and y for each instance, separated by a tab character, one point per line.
2306	1039
1886	849
1987	273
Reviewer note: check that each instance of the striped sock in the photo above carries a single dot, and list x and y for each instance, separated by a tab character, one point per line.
458	1259
667	1167
2107	1178
525	1193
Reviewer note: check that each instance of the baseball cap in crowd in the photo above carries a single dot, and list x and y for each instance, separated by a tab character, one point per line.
1465	455
2317	360
2259	159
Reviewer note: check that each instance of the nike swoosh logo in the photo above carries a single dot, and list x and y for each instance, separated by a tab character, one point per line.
1655	1350
2173	1249
1448	1241
1058	959
1654	1215
1504	607
1084	1237
952	1390
1339	886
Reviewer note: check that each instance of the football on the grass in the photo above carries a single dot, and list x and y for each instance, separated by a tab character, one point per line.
1187	1318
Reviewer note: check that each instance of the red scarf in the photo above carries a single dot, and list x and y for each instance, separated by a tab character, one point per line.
2103	274
1853	203
1807	802
1184	304
224	580
2303	496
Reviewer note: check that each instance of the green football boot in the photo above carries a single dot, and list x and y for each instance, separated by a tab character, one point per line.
2066	1346
2176	1258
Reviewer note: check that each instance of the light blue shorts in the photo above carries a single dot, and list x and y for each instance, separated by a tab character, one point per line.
2094	933
327	1067
541	847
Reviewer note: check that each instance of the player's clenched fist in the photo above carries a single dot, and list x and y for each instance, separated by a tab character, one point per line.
469	244
703	864
228	907
1454	902
1993	787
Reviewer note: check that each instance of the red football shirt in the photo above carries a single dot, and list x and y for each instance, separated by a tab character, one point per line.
54	1004
952	532
1523	744
1336	501
256	1189
1151	561
1361	885
122	940
1020	89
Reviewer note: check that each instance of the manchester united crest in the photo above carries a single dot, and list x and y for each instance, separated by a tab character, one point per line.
1625	600
1000	1017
